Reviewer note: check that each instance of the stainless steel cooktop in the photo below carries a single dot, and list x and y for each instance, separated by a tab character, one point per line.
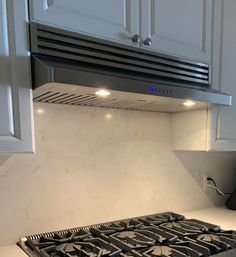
160	235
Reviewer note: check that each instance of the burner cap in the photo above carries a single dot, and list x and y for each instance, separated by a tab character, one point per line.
159	251
126	234
172	225
67	247
208	237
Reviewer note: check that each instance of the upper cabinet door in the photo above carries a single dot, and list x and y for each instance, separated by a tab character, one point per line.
16	119
223	119
215	129
181	28
116	20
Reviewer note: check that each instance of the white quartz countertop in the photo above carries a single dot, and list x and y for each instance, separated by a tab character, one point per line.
217	215
12	251
221	216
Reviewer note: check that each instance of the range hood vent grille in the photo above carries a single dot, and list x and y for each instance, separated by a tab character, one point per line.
76	47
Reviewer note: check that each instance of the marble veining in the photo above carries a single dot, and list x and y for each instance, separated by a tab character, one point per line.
94	165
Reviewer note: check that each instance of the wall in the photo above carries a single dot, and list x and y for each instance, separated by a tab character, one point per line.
95	165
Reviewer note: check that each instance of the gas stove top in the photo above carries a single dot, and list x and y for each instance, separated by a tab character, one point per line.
161	235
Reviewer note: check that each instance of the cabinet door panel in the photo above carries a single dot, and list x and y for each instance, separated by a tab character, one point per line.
6	118
16	119
110	19
180	27
224	118
228	71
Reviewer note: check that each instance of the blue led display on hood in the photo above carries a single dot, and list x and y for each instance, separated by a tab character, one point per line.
153	90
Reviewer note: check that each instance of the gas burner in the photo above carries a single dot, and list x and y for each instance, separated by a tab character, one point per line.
222	240
72	244
158	235
67	247
183	249
127	234
159	251
130	240
173	225
182	229
161	218
107	249
131	224
104	231
91	247
191	227
78	249
57	238
172	216
208	238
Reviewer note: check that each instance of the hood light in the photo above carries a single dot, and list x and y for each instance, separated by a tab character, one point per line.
40	110
108	116
189	103
102	92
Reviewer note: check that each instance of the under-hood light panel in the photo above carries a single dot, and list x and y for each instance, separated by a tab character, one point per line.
116	99
189	103
102	92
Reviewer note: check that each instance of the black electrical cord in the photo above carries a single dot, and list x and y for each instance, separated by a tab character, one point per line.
217	191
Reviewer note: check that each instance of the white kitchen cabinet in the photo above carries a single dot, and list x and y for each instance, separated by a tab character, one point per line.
214	129
108	19
180	27
16	119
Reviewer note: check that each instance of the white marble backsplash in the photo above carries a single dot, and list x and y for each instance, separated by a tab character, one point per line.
94	165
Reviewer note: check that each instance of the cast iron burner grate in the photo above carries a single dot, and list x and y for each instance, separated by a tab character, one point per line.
160	235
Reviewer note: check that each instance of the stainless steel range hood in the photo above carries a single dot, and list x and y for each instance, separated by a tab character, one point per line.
69	68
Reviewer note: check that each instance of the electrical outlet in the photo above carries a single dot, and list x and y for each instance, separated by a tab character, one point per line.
209	182
204	182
